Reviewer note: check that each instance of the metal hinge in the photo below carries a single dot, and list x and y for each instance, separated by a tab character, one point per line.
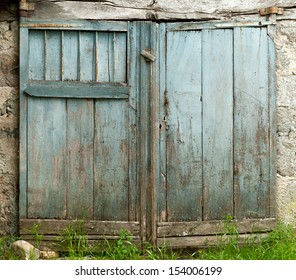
271	11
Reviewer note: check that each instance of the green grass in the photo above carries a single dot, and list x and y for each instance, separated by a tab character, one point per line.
280	244
6	252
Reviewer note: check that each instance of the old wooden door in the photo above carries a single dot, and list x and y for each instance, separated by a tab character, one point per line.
79	126
160	129
217	132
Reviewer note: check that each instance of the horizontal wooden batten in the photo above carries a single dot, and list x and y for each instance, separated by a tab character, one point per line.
92	227
206	241
190	26
78	90
203	228
51	239
57	24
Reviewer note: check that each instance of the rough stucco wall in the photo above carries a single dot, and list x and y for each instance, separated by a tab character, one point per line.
286	119
8	126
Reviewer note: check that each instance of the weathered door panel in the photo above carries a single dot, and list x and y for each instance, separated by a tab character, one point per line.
251	123
47	158
46	128
184	130
217	129
217	123
111	163
80	134
199	108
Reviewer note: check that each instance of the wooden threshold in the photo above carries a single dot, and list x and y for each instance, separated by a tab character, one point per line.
92	227
207	241
204	228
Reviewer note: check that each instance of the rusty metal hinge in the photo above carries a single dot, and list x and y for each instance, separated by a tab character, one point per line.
271	11
25	7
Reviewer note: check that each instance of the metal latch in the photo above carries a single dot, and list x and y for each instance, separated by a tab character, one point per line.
149	57
271	10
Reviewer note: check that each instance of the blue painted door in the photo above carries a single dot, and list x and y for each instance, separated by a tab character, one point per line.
217	133
161	129
79	124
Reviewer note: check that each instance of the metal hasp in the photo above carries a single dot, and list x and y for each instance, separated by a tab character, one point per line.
271	10
149	57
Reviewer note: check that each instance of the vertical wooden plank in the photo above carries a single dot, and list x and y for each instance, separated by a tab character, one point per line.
47	176
111	58
273	125
162	188
184	136
87	58
143	135
80	134
71	49
111	161
154	133
217	97
53	55
251	123
120	57
47	159
24	76
36	53
103	56
133	81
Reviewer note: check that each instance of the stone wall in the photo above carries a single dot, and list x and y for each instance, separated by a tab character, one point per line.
286	119
8	120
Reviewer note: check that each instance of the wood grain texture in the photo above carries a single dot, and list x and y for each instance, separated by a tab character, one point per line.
36	53
93	227
77	90
24	76
78	125
86	56
52	55
80	134
217	122
251	121
171	145
161	10
204	241
184	135
213	227
132	79
161	194
70	58
47	158
143	107
111	161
